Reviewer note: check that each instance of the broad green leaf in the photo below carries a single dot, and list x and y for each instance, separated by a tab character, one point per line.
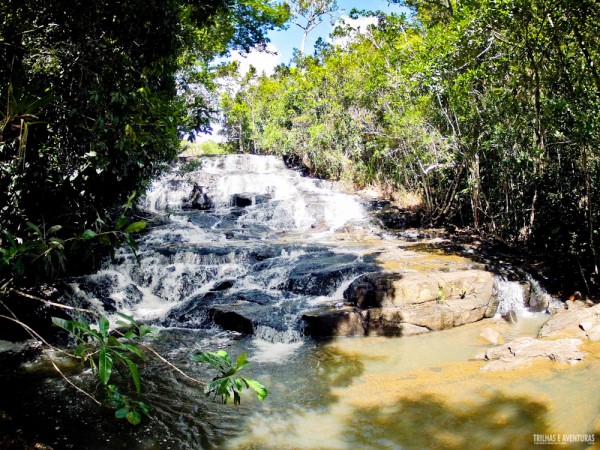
88	234
103	326
105	365
144	408
121	413
134	417
135	375
145	329
121	222
135	350
129	319
261	391
136	227
34	227
242	360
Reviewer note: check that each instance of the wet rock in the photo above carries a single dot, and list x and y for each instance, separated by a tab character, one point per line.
324	322
510	316
523	351
223	285
577	323
241	200
391	322
491	336
199	199
322	274
539	301
247	199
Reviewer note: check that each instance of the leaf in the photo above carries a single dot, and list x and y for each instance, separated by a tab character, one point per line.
145	329
135	375
136	227
261	391
103	326
33	227
214	359
121	413
129	319
54	229
88	234
105	364
134	417
144	408
135	350
121	222
242	361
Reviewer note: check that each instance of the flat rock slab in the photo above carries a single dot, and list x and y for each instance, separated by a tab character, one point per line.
383	289
574	323
523	351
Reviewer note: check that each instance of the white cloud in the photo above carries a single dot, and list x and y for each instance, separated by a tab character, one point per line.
262	61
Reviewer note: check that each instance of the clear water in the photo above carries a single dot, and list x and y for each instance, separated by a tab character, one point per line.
413	392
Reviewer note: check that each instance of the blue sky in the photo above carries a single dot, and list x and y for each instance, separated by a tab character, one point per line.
286	40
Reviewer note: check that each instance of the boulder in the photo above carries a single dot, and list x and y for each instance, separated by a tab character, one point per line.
523	351
578	323
241	200
345	321
386	289
323	273
199	199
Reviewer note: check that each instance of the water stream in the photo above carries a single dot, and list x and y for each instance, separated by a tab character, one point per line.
238	276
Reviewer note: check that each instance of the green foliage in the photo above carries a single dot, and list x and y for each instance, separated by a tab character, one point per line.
489	110
95	97
104	351
228	384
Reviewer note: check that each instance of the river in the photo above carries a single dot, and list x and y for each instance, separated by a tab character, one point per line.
238	277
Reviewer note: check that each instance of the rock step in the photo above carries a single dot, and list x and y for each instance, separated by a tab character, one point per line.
390	304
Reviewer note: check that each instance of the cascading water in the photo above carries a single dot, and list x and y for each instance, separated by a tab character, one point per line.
232	264
511	296
263	253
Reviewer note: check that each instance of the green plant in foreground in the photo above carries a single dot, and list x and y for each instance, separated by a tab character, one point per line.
104	351
228	384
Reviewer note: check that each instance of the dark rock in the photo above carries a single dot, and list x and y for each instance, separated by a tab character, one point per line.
322	274
511	316
345	321
223	286
248	199
199	199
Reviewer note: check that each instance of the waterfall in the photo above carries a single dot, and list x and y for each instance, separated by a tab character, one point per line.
511	297
232	264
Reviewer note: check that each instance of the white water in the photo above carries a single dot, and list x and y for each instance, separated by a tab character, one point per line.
512	297
236	253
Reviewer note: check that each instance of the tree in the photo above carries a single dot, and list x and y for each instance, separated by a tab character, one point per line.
309	14
94	102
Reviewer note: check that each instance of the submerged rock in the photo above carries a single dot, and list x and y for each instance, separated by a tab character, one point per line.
491	336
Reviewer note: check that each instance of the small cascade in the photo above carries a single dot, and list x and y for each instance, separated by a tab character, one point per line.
511	296
230	264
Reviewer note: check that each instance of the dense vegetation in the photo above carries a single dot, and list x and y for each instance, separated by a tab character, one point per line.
488	109
95	96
